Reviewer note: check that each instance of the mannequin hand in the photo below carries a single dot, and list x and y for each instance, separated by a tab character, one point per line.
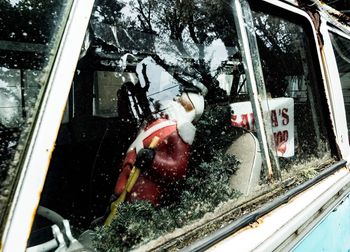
144	158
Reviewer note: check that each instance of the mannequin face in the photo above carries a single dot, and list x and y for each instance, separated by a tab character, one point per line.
193	102
188	106
184	108
176	110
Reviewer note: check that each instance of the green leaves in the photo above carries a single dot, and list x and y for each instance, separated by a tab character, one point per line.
139	222
206	186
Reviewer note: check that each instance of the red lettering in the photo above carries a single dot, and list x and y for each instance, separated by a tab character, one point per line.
285	116
234	121
245	121
285	135
280	137
274	118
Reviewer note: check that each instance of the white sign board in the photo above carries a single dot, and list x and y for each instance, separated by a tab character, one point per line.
282	121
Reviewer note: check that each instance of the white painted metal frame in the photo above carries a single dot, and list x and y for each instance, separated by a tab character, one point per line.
340	33
334	89
275	227
252	83
45	131
298	236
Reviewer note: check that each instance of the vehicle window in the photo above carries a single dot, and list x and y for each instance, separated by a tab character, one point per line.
146	65
293	90
27	47
342	56
160	91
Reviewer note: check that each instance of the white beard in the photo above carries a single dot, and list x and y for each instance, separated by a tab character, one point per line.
177	112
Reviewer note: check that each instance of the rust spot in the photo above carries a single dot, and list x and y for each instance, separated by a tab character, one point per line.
254	224
312	9
314	6
342	18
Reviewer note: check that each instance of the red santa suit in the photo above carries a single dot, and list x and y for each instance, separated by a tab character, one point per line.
169	164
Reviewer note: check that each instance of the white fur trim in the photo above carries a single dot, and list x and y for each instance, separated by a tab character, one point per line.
138	143
187	132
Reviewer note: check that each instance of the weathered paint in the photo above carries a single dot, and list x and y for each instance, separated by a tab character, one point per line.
339	16
334	91
271	230
331	234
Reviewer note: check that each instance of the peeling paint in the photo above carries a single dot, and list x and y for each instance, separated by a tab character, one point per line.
332	15
315	9
312	10
341	17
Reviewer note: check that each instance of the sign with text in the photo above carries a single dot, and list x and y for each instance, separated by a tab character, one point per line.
282	121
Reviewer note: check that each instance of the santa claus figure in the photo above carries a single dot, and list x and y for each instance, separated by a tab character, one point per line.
161	151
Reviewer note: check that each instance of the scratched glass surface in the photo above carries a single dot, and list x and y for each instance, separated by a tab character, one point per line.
298	124
137	57
341	47
27	47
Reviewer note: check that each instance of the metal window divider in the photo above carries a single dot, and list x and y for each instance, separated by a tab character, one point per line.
256	86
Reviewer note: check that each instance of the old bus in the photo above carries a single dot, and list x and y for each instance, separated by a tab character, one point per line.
268	167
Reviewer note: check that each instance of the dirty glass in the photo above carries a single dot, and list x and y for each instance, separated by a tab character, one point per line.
175	63
294	93
160	91
341	47
27	47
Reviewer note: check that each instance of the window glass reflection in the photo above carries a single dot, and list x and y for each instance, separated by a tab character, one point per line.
293	91
342	55
151	64
160	92
26	48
